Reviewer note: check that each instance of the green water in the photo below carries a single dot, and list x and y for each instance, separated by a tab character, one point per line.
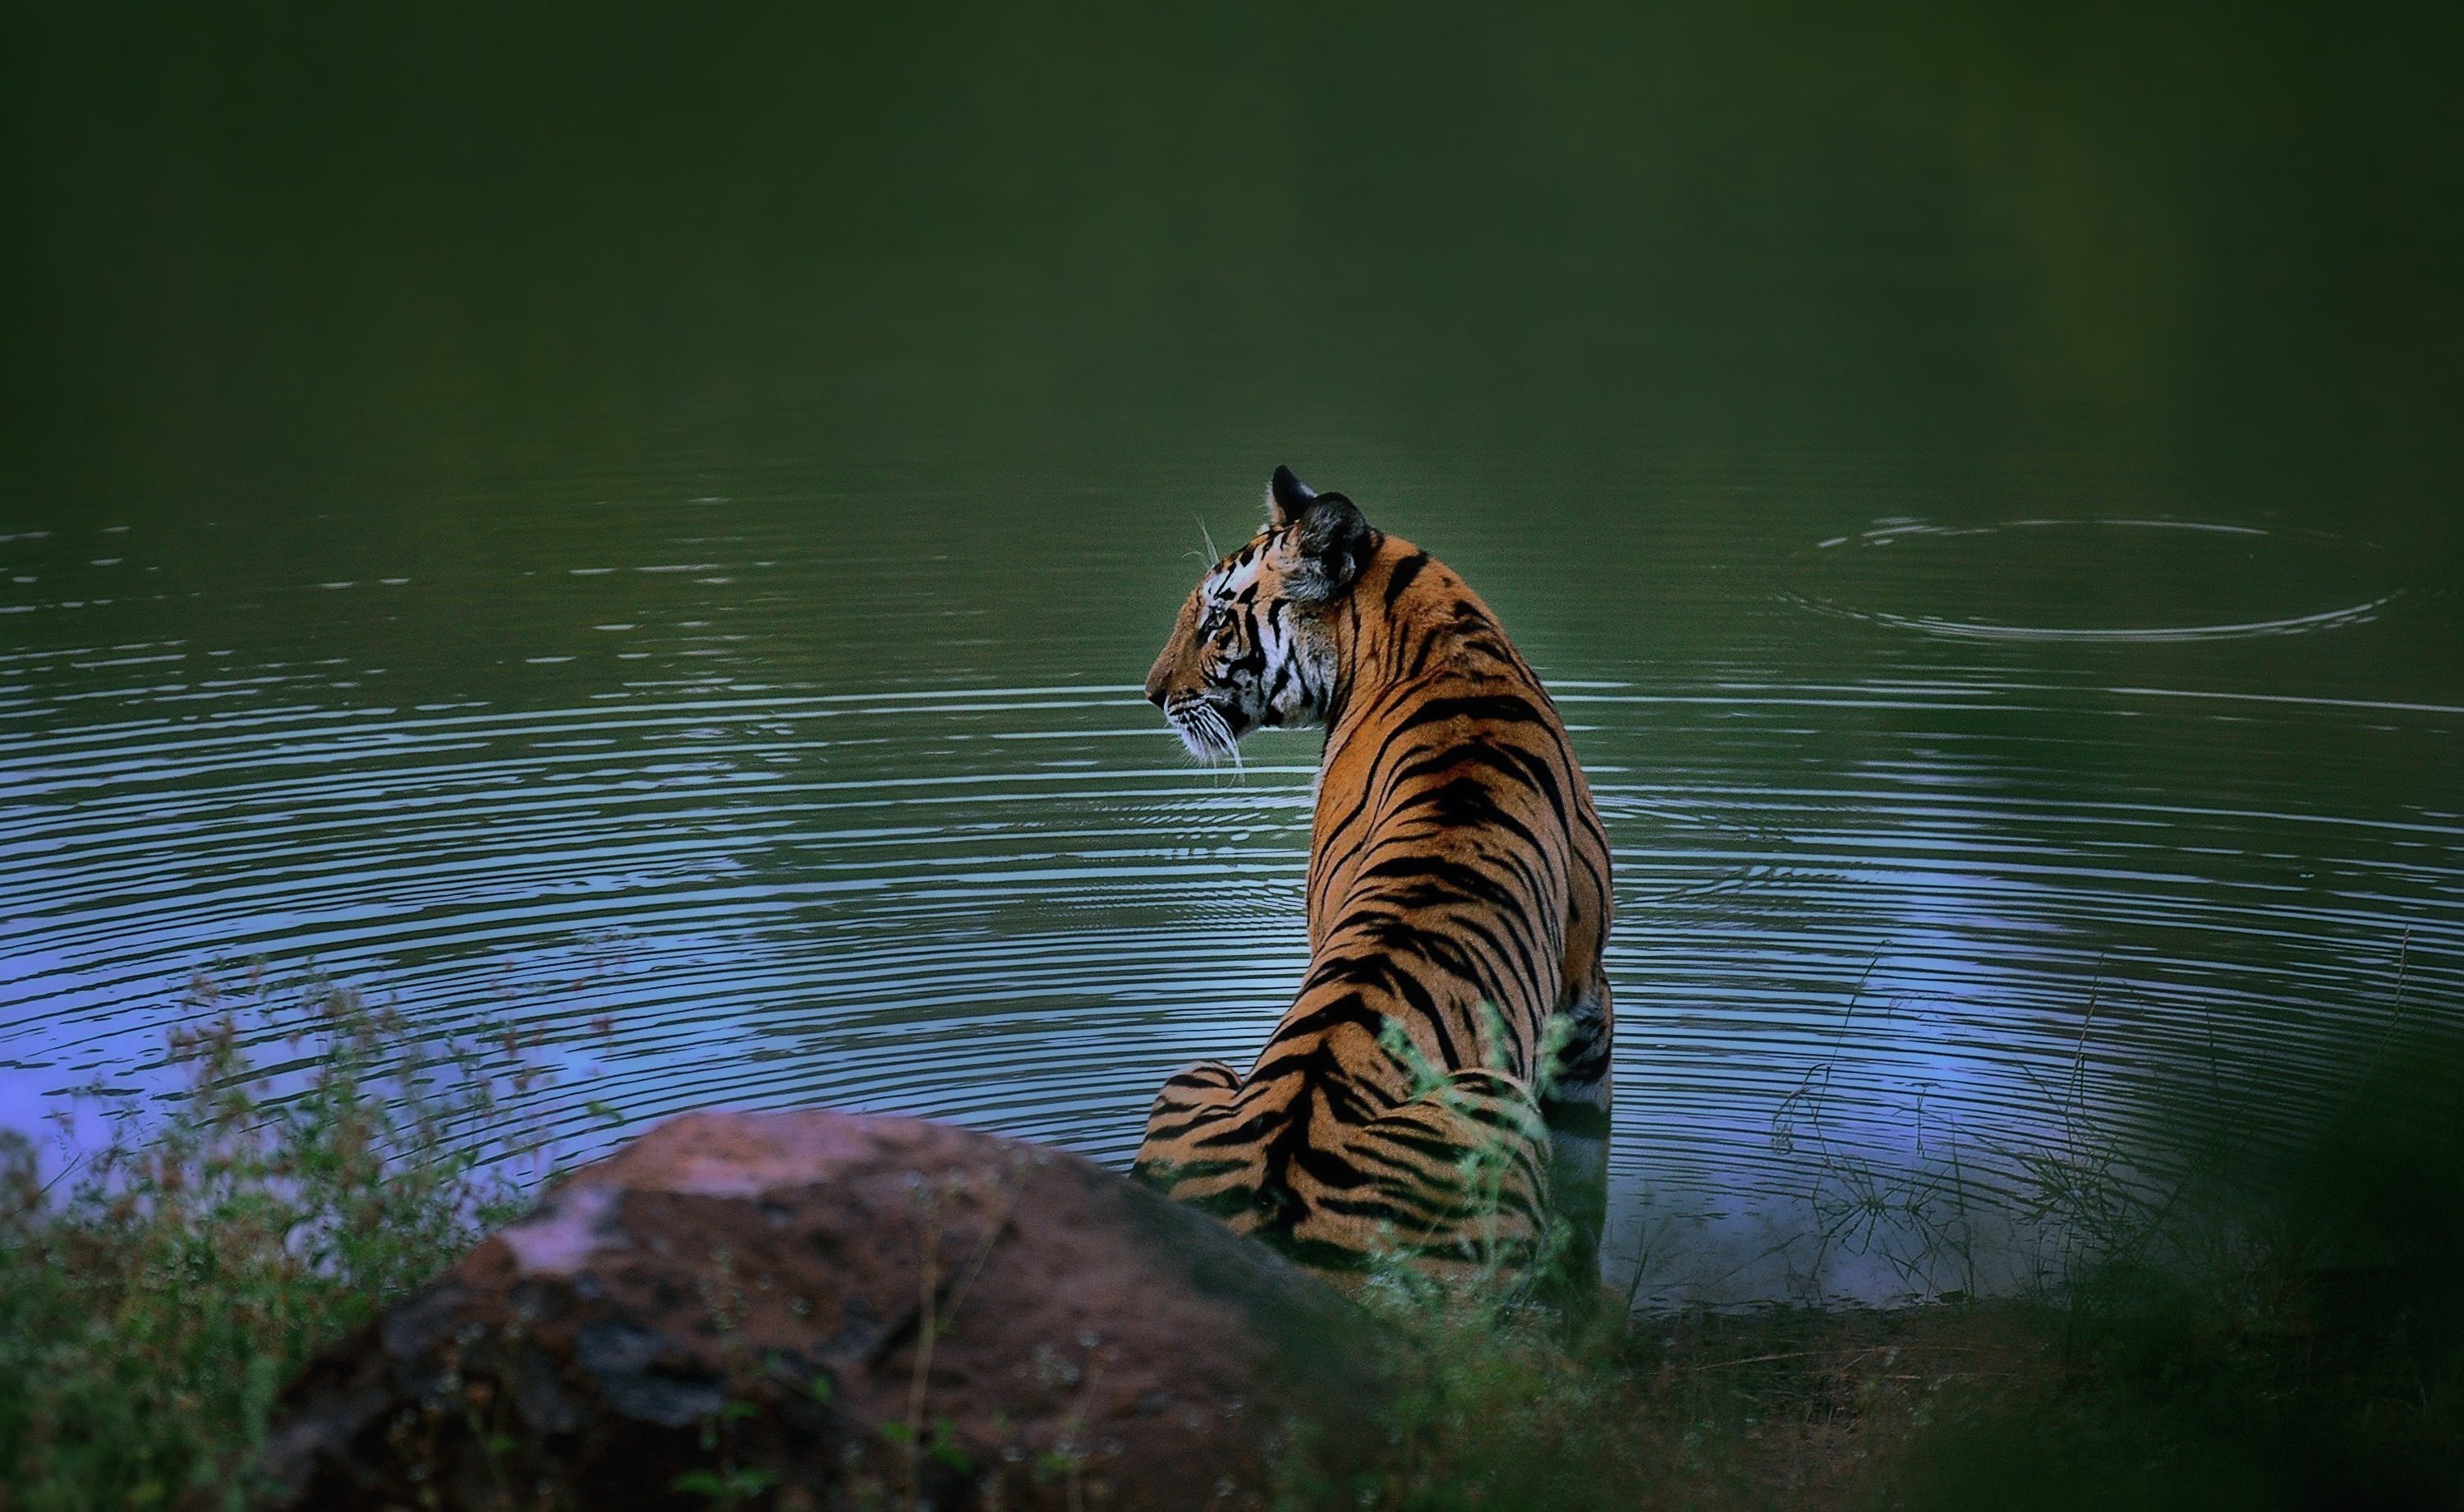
590	522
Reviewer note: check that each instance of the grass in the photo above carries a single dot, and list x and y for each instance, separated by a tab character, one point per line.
1775	1408
2270	1326
2137	1393
156	1296
2237	1323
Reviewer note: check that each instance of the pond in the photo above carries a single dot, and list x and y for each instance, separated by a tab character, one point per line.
660	542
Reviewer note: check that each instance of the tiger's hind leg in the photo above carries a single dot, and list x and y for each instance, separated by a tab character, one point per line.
1453	1184
1175	1157
1576	1104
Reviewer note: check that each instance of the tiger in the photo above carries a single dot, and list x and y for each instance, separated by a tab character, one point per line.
1437	1096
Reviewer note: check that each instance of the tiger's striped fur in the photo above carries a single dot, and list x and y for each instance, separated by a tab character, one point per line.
1441	1084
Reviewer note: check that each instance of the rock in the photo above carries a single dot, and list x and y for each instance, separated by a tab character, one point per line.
832	1310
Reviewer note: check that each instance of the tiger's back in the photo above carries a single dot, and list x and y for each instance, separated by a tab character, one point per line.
1439	1085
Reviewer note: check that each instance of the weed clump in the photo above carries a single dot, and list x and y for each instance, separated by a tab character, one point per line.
156	1294
2287	1331
1501	1407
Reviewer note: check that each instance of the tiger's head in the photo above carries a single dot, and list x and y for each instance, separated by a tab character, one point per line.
1254	646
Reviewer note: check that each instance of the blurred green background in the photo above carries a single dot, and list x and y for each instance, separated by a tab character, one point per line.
270	242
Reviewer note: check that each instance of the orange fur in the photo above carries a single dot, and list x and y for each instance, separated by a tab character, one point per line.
1446	1062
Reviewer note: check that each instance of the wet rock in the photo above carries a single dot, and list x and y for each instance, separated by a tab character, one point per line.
823	1310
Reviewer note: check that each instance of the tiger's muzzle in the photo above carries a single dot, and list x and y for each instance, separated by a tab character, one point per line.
1205	727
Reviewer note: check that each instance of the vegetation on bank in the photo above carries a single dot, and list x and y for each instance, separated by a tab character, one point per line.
155	1297
2270	1325
2278	1326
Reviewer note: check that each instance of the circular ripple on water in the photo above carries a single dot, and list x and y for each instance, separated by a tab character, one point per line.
2098	580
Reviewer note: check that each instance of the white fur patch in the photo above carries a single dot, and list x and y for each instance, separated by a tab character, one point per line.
1240	577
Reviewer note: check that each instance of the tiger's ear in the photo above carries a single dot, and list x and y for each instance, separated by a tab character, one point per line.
1329	550
1288	499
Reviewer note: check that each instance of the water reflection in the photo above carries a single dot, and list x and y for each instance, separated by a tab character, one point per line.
2017	582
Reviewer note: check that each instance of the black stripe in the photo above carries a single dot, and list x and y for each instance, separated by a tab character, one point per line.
1511	709
1401	577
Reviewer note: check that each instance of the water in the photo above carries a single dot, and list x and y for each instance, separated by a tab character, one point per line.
661	533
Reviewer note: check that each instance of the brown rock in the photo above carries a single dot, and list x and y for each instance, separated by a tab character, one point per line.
825	1309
